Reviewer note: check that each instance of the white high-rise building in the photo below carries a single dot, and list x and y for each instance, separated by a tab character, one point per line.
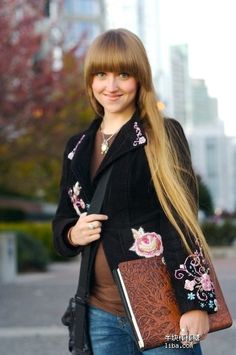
122	14
211	149
204	107
71	22
212	156
231	185
77	19
82	18
181	88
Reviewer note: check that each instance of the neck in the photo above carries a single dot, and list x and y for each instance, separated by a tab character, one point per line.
113	122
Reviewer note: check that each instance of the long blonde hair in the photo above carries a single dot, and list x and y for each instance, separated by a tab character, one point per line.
122	51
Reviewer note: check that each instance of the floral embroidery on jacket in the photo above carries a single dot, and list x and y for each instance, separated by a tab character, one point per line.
72	153
146	244
140	139
77	201
197	280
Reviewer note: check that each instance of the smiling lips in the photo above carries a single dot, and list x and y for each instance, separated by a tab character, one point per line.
112	97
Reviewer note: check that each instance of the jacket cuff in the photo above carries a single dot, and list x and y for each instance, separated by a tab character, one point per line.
195	289
75	250
62	245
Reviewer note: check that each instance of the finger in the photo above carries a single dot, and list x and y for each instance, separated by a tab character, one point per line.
90	226
85	239
184	330
183	335
94	225
203	336
93	237
96	217
94	231
97	224
84	214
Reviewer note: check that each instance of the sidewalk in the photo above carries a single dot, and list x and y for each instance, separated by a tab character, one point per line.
31	308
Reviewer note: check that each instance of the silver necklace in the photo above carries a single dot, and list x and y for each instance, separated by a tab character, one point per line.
105	145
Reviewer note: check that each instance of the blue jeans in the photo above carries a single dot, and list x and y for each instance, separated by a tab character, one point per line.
110	334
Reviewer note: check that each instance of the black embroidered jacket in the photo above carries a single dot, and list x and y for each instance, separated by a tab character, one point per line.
137	226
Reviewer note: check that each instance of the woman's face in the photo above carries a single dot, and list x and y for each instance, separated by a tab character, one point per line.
116	92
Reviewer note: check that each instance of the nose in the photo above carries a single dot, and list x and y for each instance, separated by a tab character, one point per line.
111	83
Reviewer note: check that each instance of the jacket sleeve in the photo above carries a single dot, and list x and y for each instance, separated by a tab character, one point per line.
66	215
190	274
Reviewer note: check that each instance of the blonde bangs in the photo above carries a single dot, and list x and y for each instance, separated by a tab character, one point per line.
110	56
112	61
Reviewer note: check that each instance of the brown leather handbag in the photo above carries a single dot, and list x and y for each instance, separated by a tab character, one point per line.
150	303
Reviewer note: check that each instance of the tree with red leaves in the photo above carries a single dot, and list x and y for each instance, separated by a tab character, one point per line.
18	46
39	107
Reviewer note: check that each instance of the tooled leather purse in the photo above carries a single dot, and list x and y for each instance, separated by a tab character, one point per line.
150	303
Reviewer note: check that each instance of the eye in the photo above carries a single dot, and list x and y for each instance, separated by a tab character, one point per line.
124	75
100	75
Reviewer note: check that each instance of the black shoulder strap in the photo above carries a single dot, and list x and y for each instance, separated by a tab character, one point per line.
82	289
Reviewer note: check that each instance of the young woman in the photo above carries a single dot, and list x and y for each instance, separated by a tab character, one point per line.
151	192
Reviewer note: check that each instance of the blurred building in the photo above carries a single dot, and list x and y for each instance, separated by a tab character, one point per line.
204	107
232	164
82	17
181	86
76	18
69	22
212	152
212	158
123	14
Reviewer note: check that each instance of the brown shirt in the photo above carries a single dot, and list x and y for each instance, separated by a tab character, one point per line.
104	292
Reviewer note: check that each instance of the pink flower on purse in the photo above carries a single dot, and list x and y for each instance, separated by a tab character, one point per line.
147	244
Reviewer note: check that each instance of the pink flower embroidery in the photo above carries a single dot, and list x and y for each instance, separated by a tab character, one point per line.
146	244
195	272
206	282
76	200
189	285
140	139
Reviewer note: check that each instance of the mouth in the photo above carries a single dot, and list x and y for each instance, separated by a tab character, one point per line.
112	97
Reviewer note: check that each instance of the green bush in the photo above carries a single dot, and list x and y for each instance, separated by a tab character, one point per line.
40	231
11	214
219	235
31	254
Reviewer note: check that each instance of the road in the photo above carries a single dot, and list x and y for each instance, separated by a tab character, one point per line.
31	307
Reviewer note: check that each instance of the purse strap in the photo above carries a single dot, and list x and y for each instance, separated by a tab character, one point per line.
83	284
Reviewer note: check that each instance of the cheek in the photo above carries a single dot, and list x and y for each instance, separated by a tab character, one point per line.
132	87
96	87
95	91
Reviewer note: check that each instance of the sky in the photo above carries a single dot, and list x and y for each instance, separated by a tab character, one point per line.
209	28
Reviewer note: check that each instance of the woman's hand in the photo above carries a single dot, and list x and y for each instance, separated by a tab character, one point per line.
194	326
87	229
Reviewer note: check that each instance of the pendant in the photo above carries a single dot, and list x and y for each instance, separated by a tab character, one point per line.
104	147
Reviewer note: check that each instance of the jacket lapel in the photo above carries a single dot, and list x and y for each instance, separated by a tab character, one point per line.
130	137
82	157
